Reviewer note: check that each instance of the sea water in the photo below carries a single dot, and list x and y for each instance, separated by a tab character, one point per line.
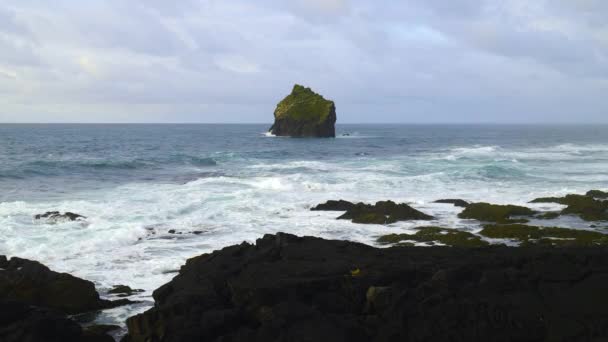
218	185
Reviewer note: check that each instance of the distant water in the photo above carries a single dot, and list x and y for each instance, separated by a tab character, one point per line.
230	183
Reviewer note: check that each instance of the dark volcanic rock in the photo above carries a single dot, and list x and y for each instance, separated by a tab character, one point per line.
124	291
55	216
331	205
383	212
287	288
304	113
588	207
455	202
32	283
495	213
20	322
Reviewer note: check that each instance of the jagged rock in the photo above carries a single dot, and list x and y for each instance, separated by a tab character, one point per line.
446	236
20	322
597	194
495	213
383	212
304	113
586	206
286	288
551	236
55	216
331	205
124	291
455	202
32	283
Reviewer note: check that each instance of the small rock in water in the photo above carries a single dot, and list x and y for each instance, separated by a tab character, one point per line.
455	202
124	291
55	216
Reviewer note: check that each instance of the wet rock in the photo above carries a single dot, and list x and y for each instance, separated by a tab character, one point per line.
597	194
383	212
32	283
20	322
309	292
455	202
331	205
55	216
124	291
589	207
552	236
551	215
446	236
304	113
495	213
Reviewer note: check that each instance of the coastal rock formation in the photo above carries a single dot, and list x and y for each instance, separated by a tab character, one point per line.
35	303
383	212
32	283
20	322
331	205
304	113
288	288
495	212
455	202
55	216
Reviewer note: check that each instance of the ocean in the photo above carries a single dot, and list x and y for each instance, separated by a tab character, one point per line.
218	185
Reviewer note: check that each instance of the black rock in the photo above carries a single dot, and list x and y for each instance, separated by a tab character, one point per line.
57	216
32	283
20	322
331	205
287	288
124	290
383	212
455	202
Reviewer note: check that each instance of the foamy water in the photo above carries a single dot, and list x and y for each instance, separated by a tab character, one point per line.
221	186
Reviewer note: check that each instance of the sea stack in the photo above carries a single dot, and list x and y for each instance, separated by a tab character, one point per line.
304	113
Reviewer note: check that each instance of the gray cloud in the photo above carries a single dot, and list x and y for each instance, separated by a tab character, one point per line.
230	61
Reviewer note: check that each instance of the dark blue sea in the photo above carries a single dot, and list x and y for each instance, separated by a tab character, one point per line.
222	184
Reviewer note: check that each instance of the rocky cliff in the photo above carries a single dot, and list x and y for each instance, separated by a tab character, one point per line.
304	113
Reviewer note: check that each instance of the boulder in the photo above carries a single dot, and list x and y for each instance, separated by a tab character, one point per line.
288	288
20	322
304	113
383	212
331	205
32	283
495	212
455	202
55	216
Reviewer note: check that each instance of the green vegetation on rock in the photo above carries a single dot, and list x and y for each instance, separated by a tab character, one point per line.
586	206
446	236
383	212
304	113
554	236
495	213
597	194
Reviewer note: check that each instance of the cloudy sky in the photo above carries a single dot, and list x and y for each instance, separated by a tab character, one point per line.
411	61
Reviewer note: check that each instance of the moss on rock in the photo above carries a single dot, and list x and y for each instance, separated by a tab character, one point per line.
495	213
383	212
597	194
555	236
446	236
304	113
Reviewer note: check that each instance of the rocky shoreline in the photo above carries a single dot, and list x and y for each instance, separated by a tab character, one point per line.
290	288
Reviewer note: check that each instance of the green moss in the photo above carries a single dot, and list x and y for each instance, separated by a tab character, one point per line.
559	200
446	236
495	213
588	208
383	212
547	216
304	105
555	236
597	194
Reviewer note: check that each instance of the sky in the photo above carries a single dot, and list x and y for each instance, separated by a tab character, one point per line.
231	61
